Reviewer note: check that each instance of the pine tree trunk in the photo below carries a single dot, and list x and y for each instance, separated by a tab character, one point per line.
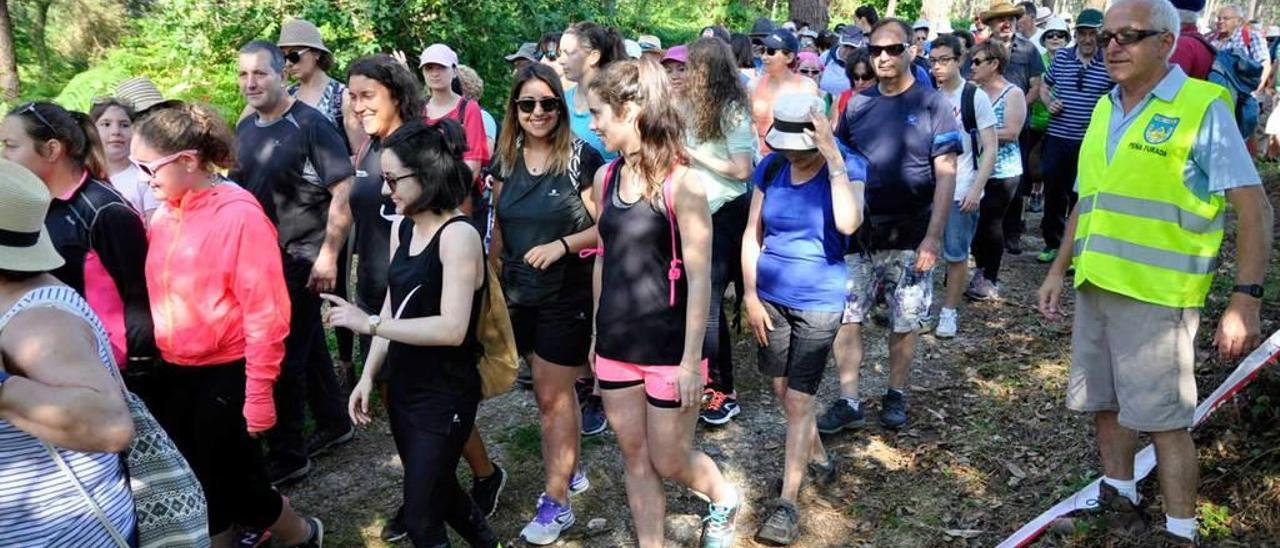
893	6
9	85
813	12
935	12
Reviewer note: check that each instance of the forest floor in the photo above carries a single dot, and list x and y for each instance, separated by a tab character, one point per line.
989	445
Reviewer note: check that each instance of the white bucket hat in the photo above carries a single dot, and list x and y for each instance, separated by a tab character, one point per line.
301	33
791	117
24	201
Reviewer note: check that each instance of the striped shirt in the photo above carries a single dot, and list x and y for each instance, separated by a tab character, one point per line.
38	504
1078	87
1254	48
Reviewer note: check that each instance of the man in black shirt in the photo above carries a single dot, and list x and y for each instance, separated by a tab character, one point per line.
298	166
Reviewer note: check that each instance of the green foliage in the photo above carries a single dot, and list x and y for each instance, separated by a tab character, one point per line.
1215	521
188	47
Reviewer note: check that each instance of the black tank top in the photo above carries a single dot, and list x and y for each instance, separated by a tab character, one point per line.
636	322
416	283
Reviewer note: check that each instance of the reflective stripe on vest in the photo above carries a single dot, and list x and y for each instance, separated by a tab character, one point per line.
1141	232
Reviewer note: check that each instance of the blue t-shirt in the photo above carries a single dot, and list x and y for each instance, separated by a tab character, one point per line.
802	264
899	136
581	126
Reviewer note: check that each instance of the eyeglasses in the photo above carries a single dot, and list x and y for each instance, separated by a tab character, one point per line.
774	51
977	61
549	55
893	50
392	180
943	60
296	55
548	104
31	107
1055	35
810	72
1126	37
150	169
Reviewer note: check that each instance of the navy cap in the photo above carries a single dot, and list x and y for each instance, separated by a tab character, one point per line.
782	39
762	27
1189	5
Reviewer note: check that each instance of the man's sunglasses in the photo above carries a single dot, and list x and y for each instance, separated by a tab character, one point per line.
1126	37
295	56
151	168
548	104
392	180
893	50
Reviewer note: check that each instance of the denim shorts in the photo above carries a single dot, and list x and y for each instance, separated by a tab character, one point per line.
908	293
799	346
958	237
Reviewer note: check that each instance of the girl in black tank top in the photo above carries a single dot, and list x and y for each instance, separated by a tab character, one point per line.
433	385
651	309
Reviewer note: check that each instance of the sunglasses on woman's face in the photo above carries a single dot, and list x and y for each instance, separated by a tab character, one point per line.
548	55
865	77
774	51
295	56
392	180
548	104
1055	35
150	169
810	71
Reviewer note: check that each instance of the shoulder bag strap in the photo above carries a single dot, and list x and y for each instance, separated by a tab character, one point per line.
598	250
93	505
674	272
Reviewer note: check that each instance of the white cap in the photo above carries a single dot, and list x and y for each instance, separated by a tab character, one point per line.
633	48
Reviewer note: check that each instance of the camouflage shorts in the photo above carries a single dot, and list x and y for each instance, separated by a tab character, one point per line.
908	293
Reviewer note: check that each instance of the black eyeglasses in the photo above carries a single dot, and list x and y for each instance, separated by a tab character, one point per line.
774	51
1056	35
391	180
295	56
31	107
1126	37
548	104
549	55
893	50
943	59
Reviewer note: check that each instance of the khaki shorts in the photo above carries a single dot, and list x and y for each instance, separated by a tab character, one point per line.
1133	357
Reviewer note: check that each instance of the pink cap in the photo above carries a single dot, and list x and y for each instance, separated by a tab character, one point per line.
809	57
438	54
679	54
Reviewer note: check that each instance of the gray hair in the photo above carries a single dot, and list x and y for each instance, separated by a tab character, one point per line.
1233	7
1163	17
274	53
1188	17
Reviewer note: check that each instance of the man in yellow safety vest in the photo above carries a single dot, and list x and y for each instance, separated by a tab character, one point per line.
1158	165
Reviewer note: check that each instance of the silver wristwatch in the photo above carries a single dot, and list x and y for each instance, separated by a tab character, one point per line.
374	322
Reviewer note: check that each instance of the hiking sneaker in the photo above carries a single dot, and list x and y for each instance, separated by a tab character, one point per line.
394	530
549	520
718	407
579	483
593	419
316	539
1115	514
1013	246
280	474
782	527
524	375
893	410
841	415
720	525
946	324
485	491
824	474
1165	539
1035	204
1047	256
982	289
321	441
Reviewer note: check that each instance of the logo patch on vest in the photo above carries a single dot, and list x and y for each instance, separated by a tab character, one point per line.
1160	129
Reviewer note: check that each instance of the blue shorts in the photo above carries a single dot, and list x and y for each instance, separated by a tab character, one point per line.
956	240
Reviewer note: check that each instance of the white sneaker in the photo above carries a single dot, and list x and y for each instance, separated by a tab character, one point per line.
946	324
548	522
579	483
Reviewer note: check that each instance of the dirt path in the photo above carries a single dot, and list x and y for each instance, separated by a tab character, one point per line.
989	446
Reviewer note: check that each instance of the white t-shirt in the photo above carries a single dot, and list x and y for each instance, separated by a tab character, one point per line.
986	117
129	183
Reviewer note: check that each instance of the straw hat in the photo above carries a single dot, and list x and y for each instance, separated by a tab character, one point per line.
24	200
140	93
1001	8
301	33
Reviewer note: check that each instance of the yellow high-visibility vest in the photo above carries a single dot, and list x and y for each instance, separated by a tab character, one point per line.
1142	232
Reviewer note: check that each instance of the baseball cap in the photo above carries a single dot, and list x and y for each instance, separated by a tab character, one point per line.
632	48
649	42
438	54
782	39
678	54
852	36
1089	18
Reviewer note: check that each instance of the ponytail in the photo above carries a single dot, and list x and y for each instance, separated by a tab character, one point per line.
606	40
92	155
46	121
189	126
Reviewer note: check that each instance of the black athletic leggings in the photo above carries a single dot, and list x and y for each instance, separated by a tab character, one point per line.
988	242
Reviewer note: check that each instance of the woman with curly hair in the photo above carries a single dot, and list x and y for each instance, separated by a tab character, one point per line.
720	146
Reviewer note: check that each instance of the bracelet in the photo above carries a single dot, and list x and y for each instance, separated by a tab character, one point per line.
566	246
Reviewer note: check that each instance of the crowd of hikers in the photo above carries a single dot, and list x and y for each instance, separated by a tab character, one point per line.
166	281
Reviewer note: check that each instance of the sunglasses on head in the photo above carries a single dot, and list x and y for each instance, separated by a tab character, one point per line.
1126	36
151	168
893	50
295	56
31	107
392	180
548	104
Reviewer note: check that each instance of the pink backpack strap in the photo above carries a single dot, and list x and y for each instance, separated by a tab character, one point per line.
675	271
598	250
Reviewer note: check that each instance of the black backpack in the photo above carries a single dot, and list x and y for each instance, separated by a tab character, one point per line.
970	116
